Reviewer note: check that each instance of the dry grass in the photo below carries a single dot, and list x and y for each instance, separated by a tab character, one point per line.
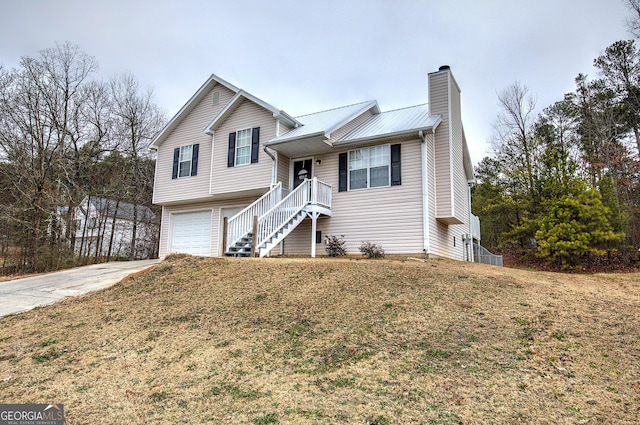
334	341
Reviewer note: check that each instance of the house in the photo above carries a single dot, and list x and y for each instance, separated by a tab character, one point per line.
105	227
237	176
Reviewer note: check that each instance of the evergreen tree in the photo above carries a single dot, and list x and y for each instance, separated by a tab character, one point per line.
574	227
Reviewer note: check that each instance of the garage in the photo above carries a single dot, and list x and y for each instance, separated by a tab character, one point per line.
191	233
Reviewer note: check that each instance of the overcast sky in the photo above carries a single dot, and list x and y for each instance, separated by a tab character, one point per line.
304	56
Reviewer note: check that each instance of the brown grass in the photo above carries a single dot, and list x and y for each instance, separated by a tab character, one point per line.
300	341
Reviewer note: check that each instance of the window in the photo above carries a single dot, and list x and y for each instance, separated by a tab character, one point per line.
91	223
369	167
243	147
185	161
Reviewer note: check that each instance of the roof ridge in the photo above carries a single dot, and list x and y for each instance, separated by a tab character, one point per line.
336	108
405	107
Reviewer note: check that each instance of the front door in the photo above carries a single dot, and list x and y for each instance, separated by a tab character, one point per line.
302	169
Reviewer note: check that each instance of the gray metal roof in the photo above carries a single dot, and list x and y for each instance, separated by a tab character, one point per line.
392	123
325	122
124	210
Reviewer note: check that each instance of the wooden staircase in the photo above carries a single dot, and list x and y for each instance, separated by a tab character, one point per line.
257	229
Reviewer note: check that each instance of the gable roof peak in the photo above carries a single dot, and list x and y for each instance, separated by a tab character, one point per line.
204	89
240	96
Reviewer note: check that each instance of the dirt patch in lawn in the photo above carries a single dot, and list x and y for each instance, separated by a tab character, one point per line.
304	341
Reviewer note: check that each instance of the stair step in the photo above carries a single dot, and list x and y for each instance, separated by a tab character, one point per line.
237	254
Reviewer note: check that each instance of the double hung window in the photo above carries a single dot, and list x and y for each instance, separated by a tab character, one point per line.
369	167
243	147
185	161
184	166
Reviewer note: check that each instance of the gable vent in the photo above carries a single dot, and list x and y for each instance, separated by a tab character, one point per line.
215	96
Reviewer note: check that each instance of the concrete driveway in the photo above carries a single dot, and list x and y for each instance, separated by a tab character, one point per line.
24	294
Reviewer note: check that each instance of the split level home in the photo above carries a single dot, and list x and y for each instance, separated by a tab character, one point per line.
237	176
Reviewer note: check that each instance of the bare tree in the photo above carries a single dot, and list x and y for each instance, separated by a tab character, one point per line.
58	129
620	69
137	121
514	141
633	22
40	106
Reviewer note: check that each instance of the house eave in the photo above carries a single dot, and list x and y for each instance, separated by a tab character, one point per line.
317	143
397	134
273	143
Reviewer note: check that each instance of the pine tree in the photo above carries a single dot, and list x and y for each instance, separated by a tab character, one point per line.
574	227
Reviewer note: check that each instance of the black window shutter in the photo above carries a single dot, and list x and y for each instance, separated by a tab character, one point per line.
396	175
176	159
342	172
231	157
255	144
194	160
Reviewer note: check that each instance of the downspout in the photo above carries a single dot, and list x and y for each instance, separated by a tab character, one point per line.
425	194
274	160
470	217
274	165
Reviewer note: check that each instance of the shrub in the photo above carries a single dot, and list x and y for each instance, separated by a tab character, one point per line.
334	245
371	250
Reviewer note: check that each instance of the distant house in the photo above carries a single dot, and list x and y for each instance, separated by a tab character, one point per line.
105	227
238	176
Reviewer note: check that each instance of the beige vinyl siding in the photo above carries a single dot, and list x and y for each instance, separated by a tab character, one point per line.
438	104
299	241
440	235
214	207
388	216
284	170
243	177
437	236
441	243
460	199
446	170
283	162
189	131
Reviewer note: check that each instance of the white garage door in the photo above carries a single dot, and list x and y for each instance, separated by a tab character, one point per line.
191	233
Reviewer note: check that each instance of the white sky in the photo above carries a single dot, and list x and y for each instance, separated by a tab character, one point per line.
304	56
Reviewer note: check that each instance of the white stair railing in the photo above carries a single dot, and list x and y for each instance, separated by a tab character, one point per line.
320	193
242	223
273	220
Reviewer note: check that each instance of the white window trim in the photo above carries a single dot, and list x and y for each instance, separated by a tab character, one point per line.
180	161
250	130
368	168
